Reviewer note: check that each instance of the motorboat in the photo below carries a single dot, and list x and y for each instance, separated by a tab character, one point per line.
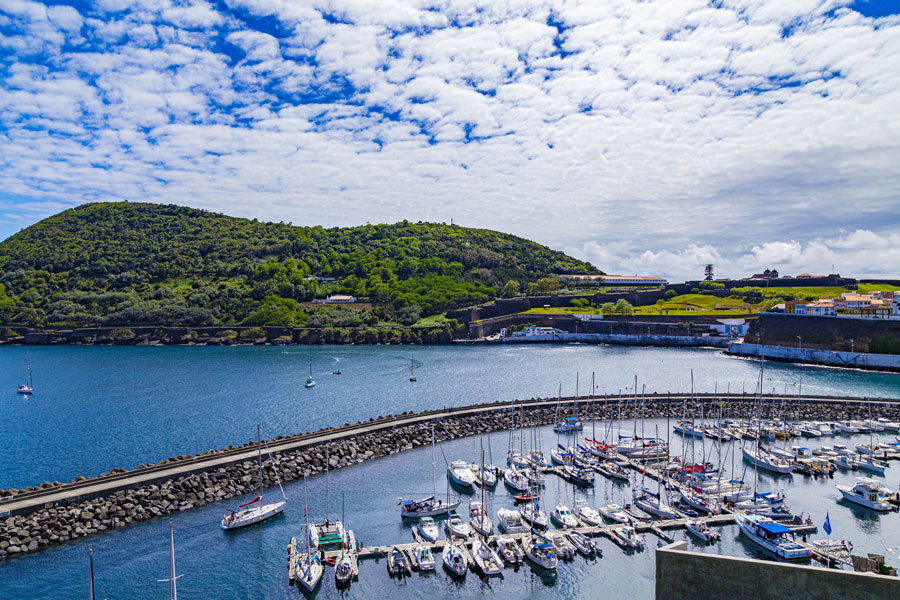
847	461
888	425
588	514
540	551
520	498
430	506
509	549
511	521
486	558
479	519
454	558
627	536
308	571
461	474
613	470
774	537
701	530
766	461
457	527
616	514
564	548
867	463
424	557
533	514
578	476
867	492
343	571
846	427
428	529
515	480
563	517
397	563
585	545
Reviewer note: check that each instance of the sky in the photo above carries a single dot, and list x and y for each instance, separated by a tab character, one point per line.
646	136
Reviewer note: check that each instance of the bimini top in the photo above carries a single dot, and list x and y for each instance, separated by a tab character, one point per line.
774	528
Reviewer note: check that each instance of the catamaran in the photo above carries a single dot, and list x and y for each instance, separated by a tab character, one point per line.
253	512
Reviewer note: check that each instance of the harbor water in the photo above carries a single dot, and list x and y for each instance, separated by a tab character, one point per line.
98	408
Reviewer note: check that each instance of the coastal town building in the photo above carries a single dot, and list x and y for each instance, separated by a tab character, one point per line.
616	280
880	304
337	299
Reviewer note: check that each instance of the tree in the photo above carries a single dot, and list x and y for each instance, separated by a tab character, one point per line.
547	285
510	289
623	307
708	271
607	308
579	302
670	294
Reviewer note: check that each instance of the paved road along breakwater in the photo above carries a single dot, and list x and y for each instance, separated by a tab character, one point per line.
53	513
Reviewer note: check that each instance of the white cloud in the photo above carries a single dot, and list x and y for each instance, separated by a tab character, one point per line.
681	132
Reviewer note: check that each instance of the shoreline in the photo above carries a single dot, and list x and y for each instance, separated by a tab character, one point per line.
186	482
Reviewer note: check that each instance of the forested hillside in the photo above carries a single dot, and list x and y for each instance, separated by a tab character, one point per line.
150	264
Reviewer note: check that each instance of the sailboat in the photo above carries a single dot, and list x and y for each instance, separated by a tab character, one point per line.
431	506
255	511
308	568
328	535
310	382
412	365
173	587
28	386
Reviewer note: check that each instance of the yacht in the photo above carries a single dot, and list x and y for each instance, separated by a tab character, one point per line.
562	456
28	386
540	550
765	461
578	476
626	535
253	512
515	480
424	557
308	570
461	474
514	459
772	536
701	530
457	527
867	492
428	529
588	514
613	470
486	558
509	549
479	518
511	521
563	517
650	503
454	558
867	463
615	513
426	507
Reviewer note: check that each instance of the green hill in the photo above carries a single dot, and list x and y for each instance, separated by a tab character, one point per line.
136	264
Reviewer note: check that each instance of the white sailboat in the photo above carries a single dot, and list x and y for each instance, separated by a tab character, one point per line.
255	511
455	559
540	550
431	506
308	568
28	386
486	558
310	382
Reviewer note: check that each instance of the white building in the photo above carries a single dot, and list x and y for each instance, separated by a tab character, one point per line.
614	280
338	299
820	308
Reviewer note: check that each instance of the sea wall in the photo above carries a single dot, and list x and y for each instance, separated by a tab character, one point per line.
824	333
703	576
856	360
48	524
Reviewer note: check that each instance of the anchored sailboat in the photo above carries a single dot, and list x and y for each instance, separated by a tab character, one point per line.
28	386
255	511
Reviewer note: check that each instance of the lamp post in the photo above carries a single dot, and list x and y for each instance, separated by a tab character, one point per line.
799	343
851	344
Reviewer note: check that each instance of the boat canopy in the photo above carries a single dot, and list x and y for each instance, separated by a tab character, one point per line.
571	418
774	528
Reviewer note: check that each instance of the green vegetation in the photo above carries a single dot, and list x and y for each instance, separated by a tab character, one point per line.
797	293
128	264
711	285
698	304
886	343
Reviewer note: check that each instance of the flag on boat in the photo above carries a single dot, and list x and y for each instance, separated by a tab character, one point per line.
826	527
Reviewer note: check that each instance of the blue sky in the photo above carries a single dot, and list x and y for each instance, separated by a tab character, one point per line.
647	136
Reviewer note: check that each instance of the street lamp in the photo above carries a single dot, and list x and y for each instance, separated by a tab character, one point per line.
799	343
851	344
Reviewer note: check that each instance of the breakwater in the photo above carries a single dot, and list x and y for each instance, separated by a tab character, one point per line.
54	513
833	358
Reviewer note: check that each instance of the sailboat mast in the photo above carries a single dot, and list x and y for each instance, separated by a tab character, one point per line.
433	484
91	572
173	588
327	467
259	455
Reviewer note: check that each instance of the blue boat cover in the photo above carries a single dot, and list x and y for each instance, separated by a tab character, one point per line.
774	528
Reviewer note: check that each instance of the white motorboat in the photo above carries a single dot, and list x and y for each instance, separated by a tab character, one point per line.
867	492
587	513
424	557
564	548
627	536
461	474
511	521
540	551
253	512
454	558
486	558
532	513
772	536
457	527
867	463
563	517
479	518
846	427
765	461
701	530
343	571
825	428
515	479
615	513
889	425
428	529
508	548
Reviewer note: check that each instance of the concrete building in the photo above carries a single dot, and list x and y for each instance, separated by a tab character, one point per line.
338	299
824	307
614	280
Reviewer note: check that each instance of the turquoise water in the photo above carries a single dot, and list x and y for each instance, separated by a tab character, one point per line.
96	408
